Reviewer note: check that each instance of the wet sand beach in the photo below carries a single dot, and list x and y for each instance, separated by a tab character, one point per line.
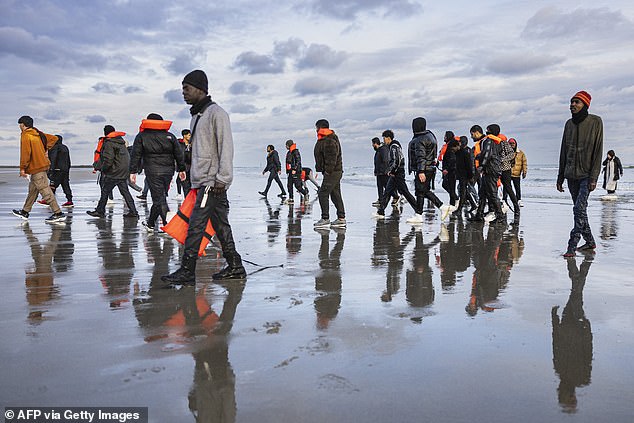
379	322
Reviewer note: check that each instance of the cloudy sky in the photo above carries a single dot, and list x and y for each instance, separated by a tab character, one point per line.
278	66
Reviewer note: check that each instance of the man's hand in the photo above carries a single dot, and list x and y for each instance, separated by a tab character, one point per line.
560	187
133	178
22	173
263	172
182	176
523	176
219	188
592	185
422	177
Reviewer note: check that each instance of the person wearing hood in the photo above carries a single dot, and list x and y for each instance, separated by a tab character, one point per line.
580	165
211	176
612	172
34	161
158	150
519	170
113	163
294	171
329	162
59	172
490	163
421	156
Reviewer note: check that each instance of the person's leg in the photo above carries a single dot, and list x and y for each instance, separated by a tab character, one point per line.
491	193
107	185
579	192
508	189
517	186
423	191
327	185
42	185
276	177
311	178
390	189
380	186
159	204
30	197
401	188
451	184
219	215
65	182
297	181
336	197
268	182
289	185
125	193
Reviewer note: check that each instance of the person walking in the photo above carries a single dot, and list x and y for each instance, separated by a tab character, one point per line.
449	176
59	172
309	175
381	169
34	164
465	170
156	149
507	156
612	172
274	167
580	165
184	185
294	171
519	170
489	169
114	164
328	161
212	175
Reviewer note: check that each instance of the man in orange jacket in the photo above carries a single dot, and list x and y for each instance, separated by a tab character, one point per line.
34	145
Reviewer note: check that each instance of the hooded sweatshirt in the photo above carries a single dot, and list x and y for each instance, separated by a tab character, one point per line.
33	156
115	159
59	157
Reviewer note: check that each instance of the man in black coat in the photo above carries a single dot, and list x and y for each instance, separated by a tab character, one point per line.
59	172
274	167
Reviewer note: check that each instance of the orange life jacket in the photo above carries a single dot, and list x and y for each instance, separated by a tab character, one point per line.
97	154
177	226
476	153
163	125
443	150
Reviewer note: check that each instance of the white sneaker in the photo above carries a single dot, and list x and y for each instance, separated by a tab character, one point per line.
505	208
110	201
520	203
417	219
446	210
489	217
444	233
378	216
322	223
179	197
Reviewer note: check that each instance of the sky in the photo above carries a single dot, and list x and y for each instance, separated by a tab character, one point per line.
278	66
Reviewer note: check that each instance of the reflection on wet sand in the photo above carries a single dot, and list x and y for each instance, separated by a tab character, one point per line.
328	278
572	339
609	220
54	255
186	318
387	249
273	224
419	290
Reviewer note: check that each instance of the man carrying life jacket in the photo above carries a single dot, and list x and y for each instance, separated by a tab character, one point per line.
34	161
294	171
490	170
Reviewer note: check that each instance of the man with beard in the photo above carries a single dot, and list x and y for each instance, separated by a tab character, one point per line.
580	164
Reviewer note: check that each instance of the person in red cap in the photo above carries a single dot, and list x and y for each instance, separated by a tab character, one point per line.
580	165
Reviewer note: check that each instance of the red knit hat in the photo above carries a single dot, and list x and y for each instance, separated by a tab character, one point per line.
583	96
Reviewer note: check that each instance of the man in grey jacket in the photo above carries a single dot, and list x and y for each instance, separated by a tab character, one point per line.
580	165
211	174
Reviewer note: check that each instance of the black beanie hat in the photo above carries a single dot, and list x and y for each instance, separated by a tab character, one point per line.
108	129
493	129
154	116
419	125
197	79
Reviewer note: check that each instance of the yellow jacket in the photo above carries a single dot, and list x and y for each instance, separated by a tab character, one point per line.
521	165
33	156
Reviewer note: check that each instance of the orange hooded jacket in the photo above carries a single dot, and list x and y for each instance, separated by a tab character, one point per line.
33	156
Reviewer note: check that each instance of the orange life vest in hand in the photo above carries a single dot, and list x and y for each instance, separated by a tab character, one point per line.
178	225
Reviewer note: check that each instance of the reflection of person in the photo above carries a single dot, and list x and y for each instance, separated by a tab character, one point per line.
274	167
419	289
294	232
387	248
609	221
580	164
612	172
273	224
328	279
212	175
489	276
572	339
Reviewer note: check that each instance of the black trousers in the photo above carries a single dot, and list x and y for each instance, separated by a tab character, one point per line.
159	185
423	191
183	186
449	185
107	185
273	176
58	178
296	181
381	183
396	184
489	186
216	208
465	194
517	185
331	189
507	189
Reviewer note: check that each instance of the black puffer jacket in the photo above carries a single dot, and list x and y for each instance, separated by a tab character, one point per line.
293	161
490	156
159	151
382	160
328	157
59	157
115	160
422	152
273	164
397	162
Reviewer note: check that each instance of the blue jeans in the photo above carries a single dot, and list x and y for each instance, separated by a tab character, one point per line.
580	193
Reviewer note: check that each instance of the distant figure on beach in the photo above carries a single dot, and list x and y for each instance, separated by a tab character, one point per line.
274	167
612	172
294	171
34	164
309	175
465	170
161	155
59	172
381	168
328	161
507	157
421	154
212	175
580	164
489	168
113	163
186	184
449	170
396	184
519	169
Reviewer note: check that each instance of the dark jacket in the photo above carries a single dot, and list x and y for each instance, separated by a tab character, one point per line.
618	169
159	150
464	164
449	162
187	153
59	157
396	164
581	150
421	153
382	160
273	164
115	160
328	157
293	161
490	154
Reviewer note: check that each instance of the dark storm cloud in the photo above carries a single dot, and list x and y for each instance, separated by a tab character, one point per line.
95	119
320	56
351	9
551	22
521	63
253	63
247	109
317	85
173	96
243	88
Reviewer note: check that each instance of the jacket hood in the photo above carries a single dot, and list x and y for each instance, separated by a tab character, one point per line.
419	125
118	139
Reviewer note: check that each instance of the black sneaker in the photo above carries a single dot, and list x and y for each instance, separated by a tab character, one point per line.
230	273
55	217
95	213
131	214
570	252
20	213
182	276
588	246
262	193
141	197
147	227
282	195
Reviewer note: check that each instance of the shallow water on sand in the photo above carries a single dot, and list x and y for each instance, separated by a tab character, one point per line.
379	322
